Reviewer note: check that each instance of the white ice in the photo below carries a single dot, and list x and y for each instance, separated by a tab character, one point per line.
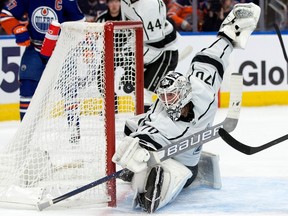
252	185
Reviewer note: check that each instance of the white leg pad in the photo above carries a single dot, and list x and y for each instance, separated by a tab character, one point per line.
175	177
139	180
138	184
208	171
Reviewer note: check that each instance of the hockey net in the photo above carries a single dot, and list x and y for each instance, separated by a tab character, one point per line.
67	138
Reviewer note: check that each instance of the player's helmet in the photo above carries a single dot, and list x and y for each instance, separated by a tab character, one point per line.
174	92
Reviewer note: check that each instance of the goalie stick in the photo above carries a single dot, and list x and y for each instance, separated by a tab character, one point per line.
185	52
281	42
179	146
248	150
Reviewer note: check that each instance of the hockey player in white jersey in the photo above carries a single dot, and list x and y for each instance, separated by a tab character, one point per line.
186	104
160	51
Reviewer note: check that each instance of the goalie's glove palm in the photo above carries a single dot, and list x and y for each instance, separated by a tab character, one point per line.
240	23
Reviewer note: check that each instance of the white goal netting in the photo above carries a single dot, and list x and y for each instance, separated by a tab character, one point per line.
62	142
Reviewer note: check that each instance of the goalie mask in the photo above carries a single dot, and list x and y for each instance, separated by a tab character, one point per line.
174	92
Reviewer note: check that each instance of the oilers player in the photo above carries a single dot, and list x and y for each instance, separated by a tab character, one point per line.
160	51
40	14
185	105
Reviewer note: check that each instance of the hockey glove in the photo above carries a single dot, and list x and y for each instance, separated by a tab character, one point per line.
130	155
21	35
240	23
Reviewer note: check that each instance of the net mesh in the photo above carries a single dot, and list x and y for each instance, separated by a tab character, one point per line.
61	144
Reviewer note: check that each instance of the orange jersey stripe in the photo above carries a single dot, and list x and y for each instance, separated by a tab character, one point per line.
26	105
8	23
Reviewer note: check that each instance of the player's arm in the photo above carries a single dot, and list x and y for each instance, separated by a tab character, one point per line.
175	12
208	66
9	19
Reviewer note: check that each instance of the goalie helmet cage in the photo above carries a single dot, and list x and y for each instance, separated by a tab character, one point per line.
68	135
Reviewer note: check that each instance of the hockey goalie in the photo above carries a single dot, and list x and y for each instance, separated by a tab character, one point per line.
186	104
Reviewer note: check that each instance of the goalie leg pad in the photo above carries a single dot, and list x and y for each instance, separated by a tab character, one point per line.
160	185
175	177
138	185
153	189
240	23
208	171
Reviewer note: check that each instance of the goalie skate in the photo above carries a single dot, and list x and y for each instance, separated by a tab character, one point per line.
240	23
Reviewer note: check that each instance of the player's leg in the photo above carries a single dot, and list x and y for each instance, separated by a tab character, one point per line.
155	71
31	69
160	185
27	90
73	119
72	110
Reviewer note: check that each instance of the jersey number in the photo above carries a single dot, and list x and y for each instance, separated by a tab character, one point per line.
157	25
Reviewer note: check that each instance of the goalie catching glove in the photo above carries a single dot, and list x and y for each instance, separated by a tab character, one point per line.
240	23
131	155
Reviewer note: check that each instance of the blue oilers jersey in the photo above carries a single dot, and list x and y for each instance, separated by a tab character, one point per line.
42	12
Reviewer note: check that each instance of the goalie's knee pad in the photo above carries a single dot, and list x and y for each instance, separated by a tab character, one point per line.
240	23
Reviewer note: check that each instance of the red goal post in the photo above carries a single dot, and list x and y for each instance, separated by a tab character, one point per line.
109	57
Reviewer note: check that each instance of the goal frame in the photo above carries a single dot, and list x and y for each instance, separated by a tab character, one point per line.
109	91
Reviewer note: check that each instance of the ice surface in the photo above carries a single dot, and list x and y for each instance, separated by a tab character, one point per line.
252	185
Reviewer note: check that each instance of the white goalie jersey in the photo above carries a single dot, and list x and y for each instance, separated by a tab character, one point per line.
159	33
205	74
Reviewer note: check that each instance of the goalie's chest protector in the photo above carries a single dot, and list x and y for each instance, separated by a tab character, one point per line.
42	12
